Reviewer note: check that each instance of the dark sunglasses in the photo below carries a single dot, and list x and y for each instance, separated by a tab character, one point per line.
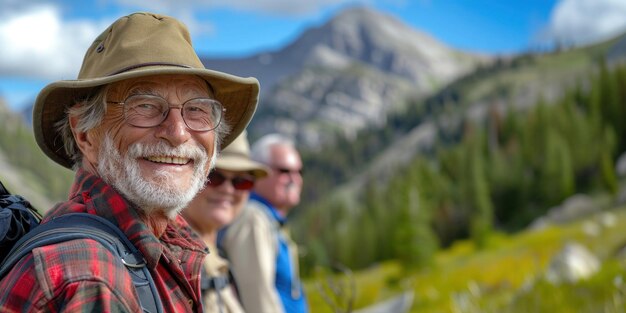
238	182
282	170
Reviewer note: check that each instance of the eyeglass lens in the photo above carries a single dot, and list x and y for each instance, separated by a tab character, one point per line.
238	182
199	114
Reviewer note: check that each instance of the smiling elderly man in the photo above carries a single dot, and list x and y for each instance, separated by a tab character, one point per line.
141	127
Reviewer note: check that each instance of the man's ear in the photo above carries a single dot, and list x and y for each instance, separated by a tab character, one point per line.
84	141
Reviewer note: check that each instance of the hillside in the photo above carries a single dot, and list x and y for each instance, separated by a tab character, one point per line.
513	84
480	143
24	169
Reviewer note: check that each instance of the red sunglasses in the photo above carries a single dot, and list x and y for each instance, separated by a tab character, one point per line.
238	182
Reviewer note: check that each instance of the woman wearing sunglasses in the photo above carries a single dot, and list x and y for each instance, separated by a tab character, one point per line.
227	190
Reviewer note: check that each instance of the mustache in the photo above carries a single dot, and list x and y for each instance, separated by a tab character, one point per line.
161	148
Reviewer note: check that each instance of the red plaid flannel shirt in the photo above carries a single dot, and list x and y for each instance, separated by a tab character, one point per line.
82	276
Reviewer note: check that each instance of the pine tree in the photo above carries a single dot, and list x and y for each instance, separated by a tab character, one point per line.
482	215
607	165
557	176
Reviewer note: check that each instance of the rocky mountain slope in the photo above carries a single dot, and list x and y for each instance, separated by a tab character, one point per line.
346	75
24	169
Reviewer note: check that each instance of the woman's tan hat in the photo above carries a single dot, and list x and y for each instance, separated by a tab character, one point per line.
236	157
137	45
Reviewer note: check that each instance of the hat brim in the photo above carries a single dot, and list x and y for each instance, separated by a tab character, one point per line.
239	96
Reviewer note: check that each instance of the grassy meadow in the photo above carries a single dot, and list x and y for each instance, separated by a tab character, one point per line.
505	276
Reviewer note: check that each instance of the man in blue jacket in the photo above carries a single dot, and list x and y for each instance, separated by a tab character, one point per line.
264	259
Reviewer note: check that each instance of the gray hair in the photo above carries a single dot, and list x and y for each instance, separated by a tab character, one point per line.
260	150
90	113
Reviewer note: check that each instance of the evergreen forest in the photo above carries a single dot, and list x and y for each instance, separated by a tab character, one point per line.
496	175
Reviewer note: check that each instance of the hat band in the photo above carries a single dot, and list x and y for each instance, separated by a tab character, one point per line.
134	66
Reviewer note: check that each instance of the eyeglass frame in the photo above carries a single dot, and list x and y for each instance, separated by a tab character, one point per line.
166	113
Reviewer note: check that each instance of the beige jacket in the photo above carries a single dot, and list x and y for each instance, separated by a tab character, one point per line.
214	265
251	246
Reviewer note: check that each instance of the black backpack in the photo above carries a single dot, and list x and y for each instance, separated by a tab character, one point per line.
20	233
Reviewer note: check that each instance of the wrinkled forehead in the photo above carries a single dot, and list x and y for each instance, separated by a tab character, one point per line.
159	85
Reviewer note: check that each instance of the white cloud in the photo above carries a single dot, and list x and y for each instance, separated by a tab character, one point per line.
37	42
586	21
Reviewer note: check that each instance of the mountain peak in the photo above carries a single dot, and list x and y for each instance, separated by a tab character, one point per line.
360	34
346	74
359	12
363	16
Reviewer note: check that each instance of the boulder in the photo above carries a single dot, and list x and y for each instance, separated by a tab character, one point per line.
573	263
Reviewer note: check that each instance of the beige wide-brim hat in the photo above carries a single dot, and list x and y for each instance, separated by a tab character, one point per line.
236	157
137	45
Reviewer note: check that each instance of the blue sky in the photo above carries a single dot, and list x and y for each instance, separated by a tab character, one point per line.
44	40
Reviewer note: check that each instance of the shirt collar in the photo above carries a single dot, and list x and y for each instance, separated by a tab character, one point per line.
281	220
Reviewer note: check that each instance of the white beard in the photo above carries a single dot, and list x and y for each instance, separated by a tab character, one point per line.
159	194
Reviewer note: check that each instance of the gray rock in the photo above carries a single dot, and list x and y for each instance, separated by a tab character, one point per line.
573	263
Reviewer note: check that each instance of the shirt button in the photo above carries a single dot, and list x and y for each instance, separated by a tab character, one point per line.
190	302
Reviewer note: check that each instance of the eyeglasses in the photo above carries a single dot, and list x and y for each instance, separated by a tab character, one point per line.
199	114
282	170
239	182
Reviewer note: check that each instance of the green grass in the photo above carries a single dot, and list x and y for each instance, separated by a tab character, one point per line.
507	276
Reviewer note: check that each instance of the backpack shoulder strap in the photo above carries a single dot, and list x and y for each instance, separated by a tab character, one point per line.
213	284
88	226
